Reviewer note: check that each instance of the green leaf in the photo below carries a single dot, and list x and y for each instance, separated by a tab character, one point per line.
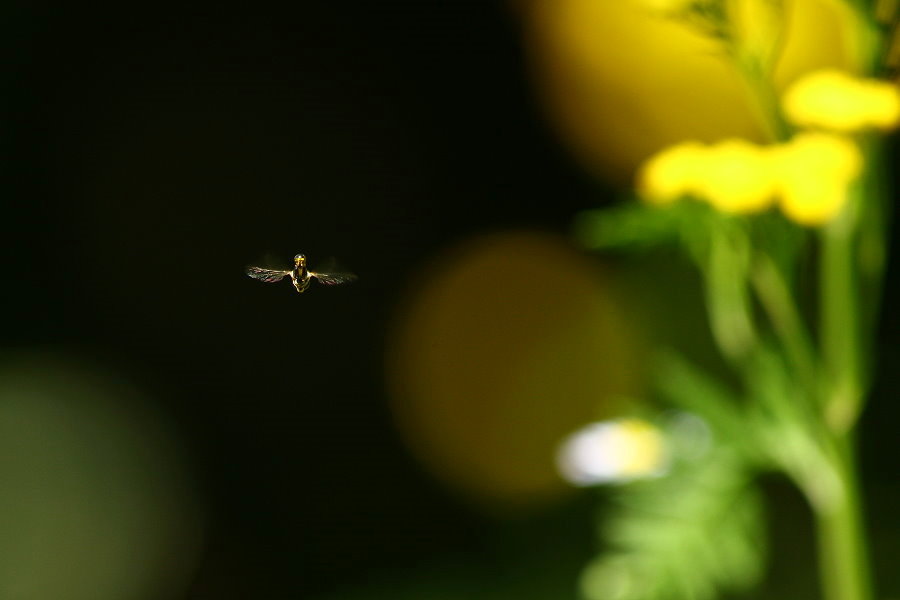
688	387
635	225
785	426
691	535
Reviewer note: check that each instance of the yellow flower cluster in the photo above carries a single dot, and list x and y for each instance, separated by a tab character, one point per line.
814	171
837	101
807	177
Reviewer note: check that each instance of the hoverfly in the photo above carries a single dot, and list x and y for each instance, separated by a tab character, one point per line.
300	275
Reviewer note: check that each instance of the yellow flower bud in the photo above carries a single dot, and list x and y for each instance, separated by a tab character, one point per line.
670	174
838	101
814	172
809	175
737	177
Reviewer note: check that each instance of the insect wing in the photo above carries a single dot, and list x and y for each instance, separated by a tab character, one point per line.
267	275
333	278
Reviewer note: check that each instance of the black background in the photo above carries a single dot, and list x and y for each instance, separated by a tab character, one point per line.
152	150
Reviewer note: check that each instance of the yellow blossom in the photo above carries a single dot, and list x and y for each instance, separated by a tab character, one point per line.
838	101
809	175
670	174
814	172
737	177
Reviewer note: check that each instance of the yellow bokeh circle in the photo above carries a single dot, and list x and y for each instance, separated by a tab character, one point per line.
507	344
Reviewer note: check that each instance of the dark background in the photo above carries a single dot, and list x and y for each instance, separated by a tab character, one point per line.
152	150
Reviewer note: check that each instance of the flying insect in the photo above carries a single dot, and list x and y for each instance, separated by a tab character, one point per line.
300	275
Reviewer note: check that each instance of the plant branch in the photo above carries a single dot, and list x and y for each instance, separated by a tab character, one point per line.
781	307
842	548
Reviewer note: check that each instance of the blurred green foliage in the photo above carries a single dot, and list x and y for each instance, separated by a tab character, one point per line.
94	503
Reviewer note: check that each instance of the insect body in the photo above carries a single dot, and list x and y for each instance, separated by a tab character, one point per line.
300	275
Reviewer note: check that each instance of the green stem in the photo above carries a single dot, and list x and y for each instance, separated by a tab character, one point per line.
842	548
874	220
840	318
844	565
767	101
779	303
726	274
868	45
852	268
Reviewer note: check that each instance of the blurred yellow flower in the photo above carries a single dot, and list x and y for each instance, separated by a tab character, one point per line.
838	101
814	172
614	108
665	6
672	173
734	175
613	451
809	175
737	177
